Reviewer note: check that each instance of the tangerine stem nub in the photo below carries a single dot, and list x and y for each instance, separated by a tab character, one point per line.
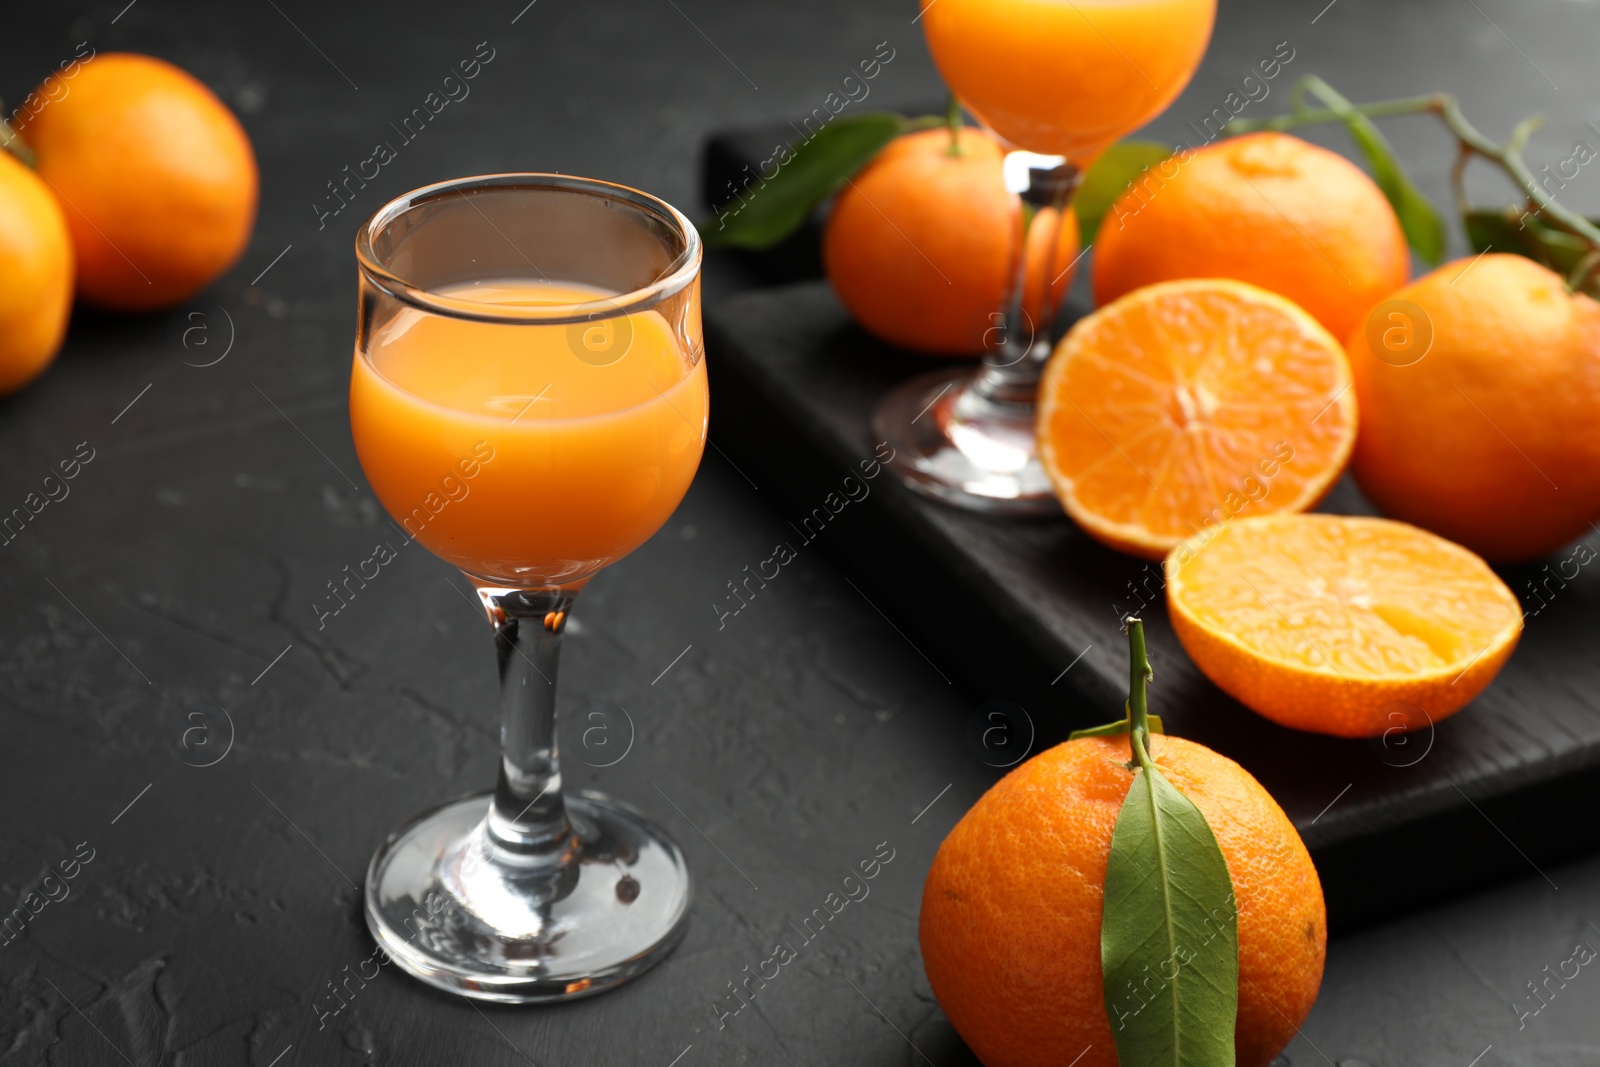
1139	676
11	142
952	118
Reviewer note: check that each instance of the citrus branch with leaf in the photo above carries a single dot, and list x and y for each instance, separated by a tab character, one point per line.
1169	944
1540	227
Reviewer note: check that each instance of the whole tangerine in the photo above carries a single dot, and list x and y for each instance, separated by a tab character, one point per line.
1479	389
1011	910
1265	208
919	244
35	275
155	175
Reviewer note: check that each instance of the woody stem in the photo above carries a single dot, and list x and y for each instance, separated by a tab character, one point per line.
11	142
1139	676
1408	105
1507	156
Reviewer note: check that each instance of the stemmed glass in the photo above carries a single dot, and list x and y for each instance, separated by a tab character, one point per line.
1058	82
528	401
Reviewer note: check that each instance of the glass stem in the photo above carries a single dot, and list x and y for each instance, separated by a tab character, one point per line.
527	822
1010	374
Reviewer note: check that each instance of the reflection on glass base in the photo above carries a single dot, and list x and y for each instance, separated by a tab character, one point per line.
448	911
954	444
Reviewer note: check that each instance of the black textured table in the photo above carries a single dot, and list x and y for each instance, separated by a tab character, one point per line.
216	767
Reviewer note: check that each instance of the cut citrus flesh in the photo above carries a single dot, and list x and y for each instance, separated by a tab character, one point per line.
1349	626
1184	405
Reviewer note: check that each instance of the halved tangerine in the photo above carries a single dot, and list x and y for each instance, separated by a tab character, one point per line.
1187	404
1341	625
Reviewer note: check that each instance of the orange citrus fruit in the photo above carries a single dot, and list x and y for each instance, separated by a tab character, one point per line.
1010	924
918	245
35	275
1355	627
155	175
1183	405
1479	387
1265	208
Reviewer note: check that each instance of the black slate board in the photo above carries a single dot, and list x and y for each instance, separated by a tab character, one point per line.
1027	611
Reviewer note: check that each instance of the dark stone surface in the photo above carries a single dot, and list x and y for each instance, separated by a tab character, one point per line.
221	900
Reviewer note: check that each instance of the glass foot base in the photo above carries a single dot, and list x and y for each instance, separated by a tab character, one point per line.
446	909
953	444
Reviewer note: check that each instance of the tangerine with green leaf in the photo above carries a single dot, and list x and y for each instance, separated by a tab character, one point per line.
1015	907
918	244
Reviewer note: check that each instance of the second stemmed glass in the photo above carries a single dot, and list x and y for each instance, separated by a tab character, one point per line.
528	400
1057	82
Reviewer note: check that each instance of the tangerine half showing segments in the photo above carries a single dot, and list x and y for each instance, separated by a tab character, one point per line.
1341	625
1184	405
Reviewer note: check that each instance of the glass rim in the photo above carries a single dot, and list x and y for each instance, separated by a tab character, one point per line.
678	275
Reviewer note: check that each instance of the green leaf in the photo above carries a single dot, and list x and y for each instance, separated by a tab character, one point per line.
1169	944
770	209
1557	249
1524	234
1492	230
1108	176
1424	229
1112	729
